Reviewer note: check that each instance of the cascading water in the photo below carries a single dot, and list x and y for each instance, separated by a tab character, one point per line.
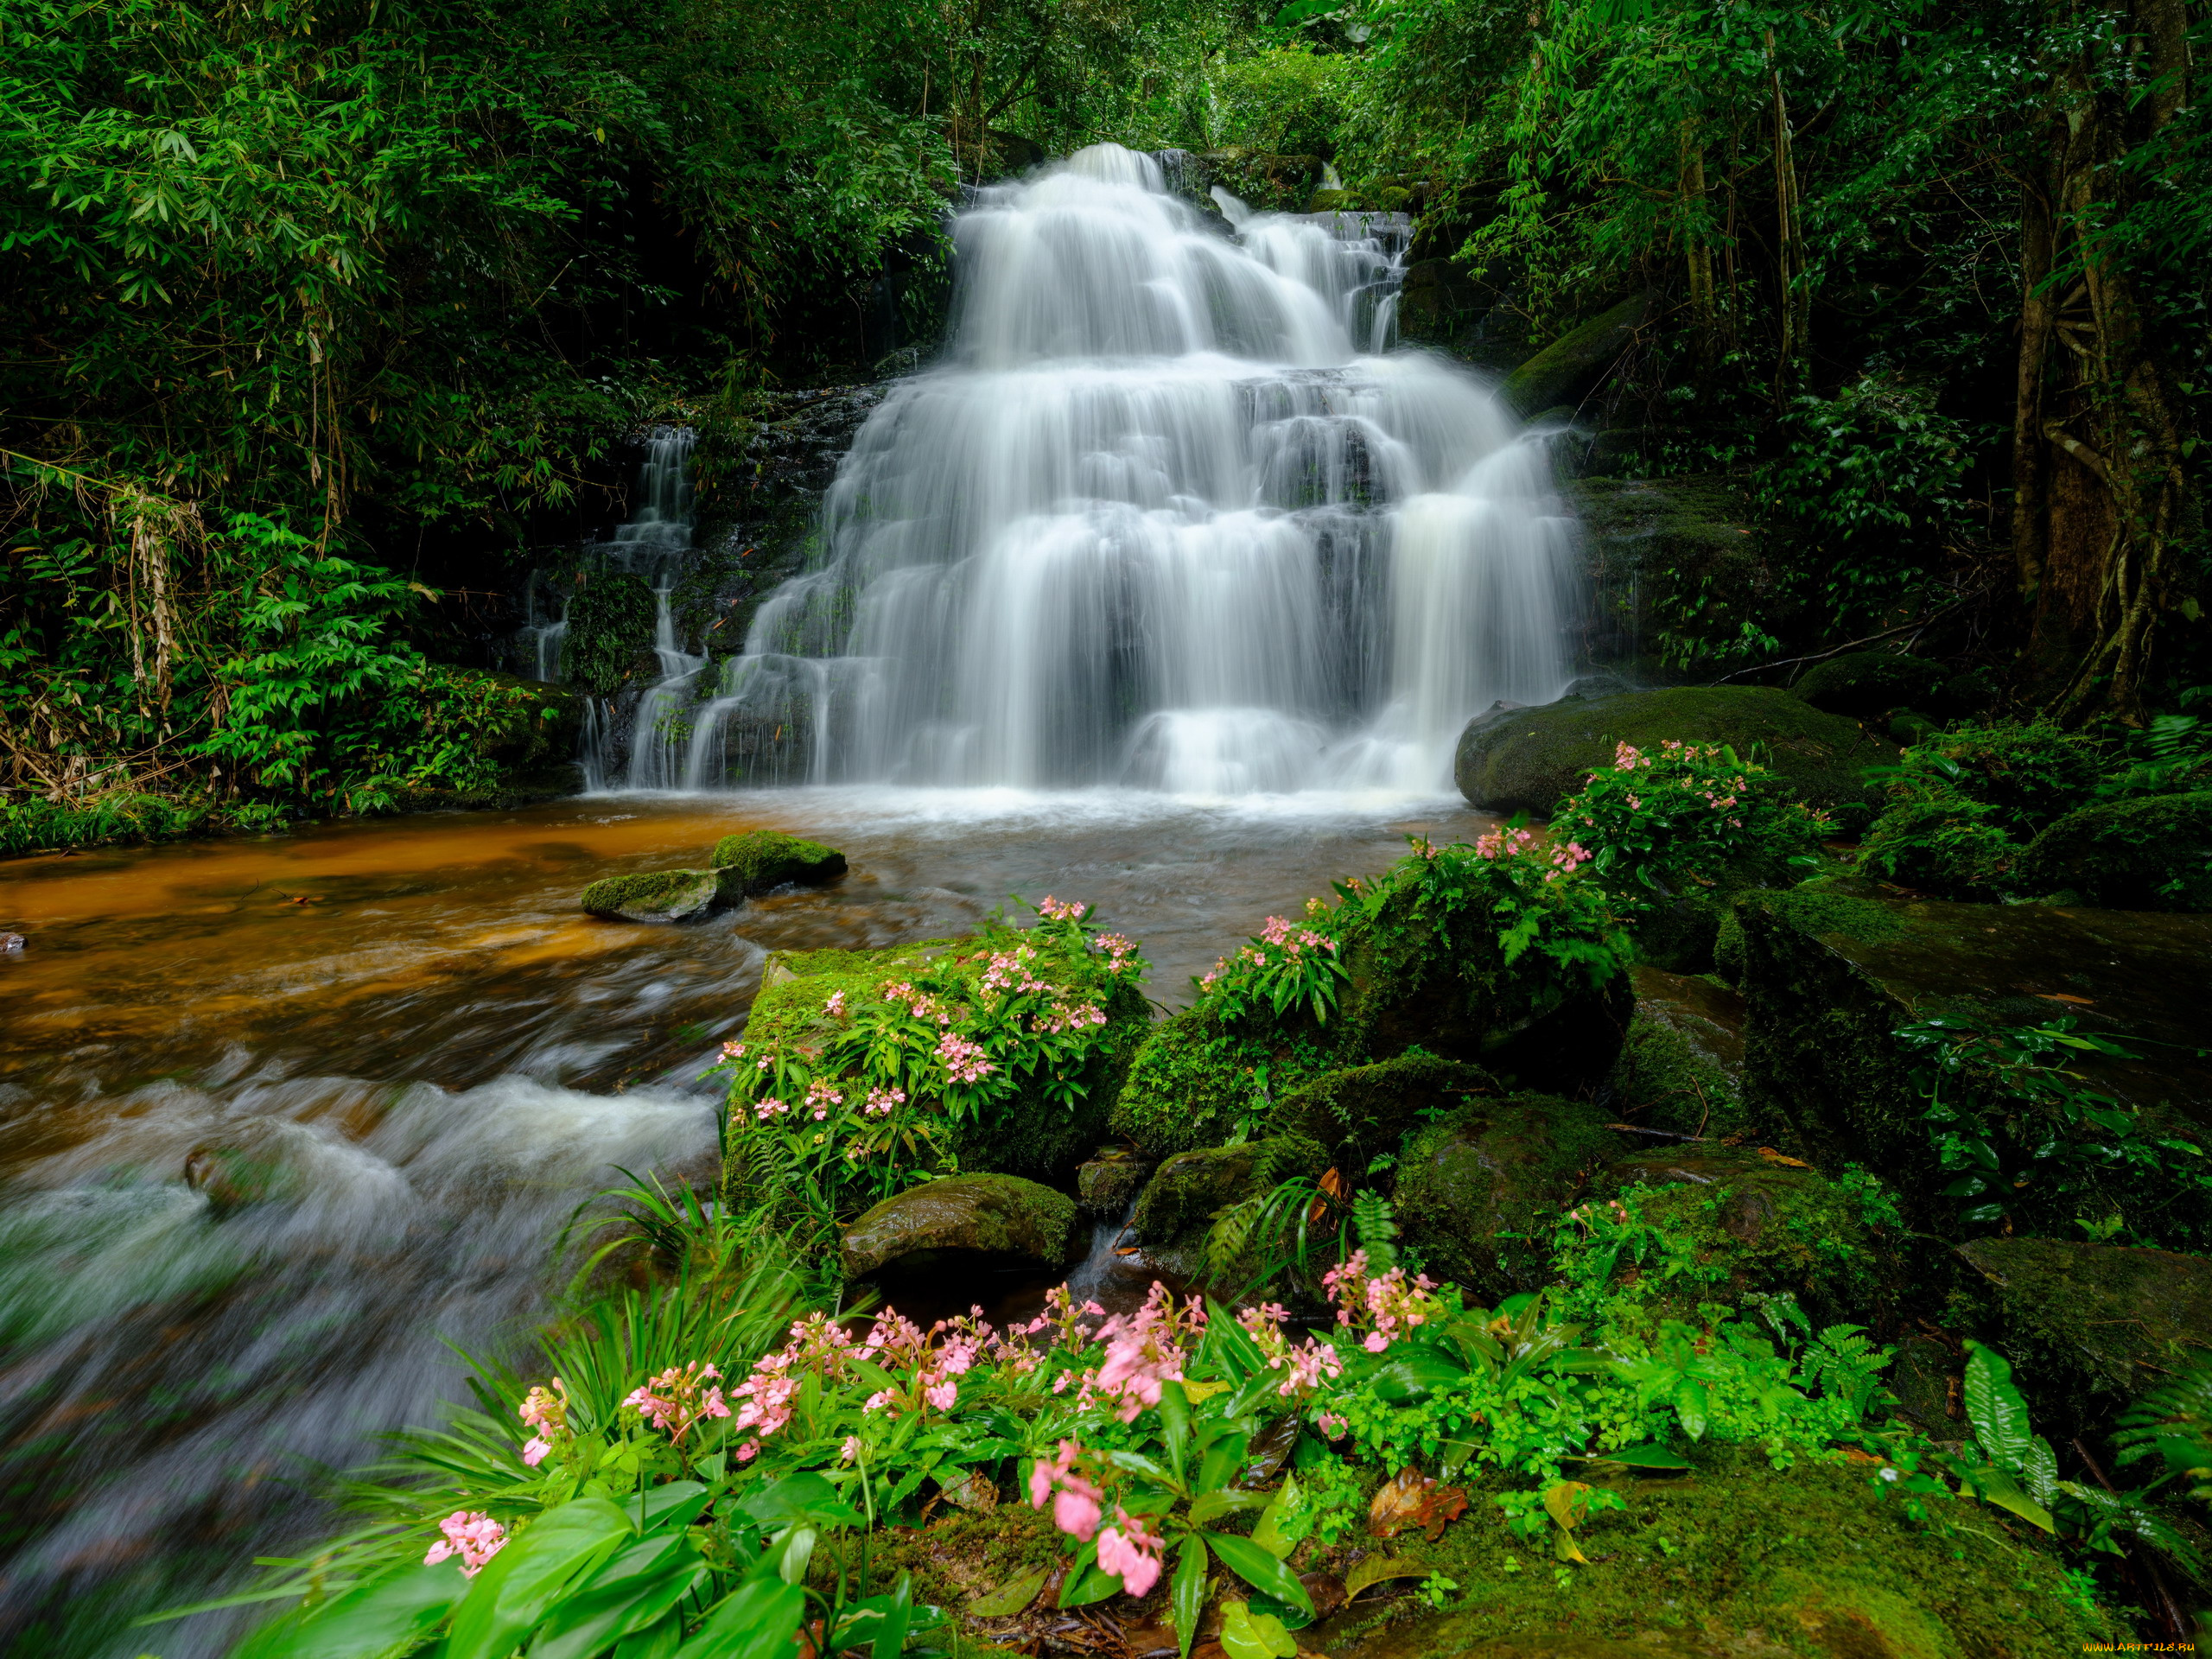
1158	524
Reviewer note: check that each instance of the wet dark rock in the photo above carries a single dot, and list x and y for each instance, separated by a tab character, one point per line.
1365	1110
2153	854
1177	1208
762	860
1476	1192
2089	1327
11	943
1109	1183
662	895
1832	969
1529	760
1863	682
1003	1215
1567	369
1682	1067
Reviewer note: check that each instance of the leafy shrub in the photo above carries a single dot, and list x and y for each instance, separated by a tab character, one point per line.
610	625
1289	101
1942	843
1688	815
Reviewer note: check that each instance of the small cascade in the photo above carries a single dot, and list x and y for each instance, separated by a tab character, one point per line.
545	625
653	544
1167	517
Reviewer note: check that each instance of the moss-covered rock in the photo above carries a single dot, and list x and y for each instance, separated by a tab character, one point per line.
1363	1111
1864	682
1942	843
1738	1220
1565	371
1833	971
1179	1203
762	859
610	630
1682	1067
1532	762
2087	1327
1743	1560
1192	1083
1003	1215
1029	1135
660	895
1109	1180
2153	854
1476	1192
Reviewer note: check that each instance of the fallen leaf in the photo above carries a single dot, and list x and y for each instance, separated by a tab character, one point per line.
1411	1499
1326	1591
2061	996
1009	1598
1773	1157
1378	1567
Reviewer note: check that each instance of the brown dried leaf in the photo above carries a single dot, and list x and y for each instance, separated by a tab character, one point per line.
1413	1499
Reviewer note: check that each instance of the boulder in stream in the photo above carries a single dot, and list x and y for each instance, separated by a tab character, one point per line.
1180	1204
1002	1215
760	859
1833	969
661	895
1529	760
1109	1180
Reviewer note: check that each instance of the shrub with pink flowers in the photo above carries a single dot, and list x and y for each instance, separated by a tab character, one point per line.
1687	814
856	1080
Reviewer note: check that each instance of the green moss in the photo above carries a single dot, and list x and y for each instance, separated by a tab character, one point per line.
610	626
1940	842
1538	757
1004	1215
1029	1135
1682	1067
1861	682
1728	948
1193	1084
1362	1111
1476	1192
763	859
1184	1193
662	895
1821	909
2154	854
1742	1558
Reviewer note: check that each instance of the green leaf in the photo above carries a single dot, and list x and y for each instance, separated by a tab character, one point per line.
1643	1457
1260	1569
1995	1408
1691	1404
1175	1424
621	1599
760	1621
520	1583
1248	1635
1186	1596
1378	1567
890	1640
1010	1598
1269	1534
1208	1506
391	1612
797	1498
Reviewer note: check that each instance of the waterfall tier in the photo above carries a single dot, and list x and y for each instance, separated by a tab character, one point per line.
1154	522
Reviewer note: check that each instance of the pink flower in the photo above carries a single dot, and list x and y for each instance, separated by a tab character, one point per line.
836	1004
1076	1510
966	1061
474	1536
534	1453
943	1395
1376	1342
1129	1553
850	1451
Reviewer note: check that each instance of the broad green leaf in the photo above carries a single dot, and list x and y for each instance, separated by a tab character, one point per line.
1995	1408
1011	1596
1378	1567
1268	1533
1995	1486
1208	1506
1643	1457
1091	1585
797	1498
1247	1635
760	1621
1175	1424
1417	1374
591	1620
520	1583
1691	1404
1260	1570
661	1642
1186	1596
890	1640
385	1613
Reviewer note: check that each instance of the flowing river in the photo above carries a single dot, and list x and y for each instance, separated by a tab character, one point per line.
426	1057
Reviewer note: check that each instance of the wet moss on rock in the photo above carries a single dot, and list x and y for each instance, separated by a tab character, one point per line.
1682	1067
659	895
1477	1191
764	859
1183	1194
2153	854
1363	1111
610	627
1866	683
1192	1083
1000	1214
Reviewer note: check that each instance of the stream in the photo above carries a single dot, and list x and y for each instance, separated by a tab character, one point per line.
427	1057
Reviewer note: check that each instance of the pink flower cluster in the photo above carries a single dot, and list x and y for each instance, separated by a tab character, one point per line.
764	1397
881	1103
679	1398
1143	1351
770	1107
1285	938
967	1061
820	1097
1121	953
1505	843
1125	1548
1388	1304
1053	910
733	1051
1304	1367
476	1538
1010	970
920	1004
1067	1016
547	1413
835	1006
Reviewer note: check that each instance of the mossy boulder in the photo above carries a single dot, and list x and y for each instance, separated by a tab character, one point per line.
2152	854
1738	1220
661	895
1026	1134
1531	761
1476	1192
1865	683
1686	560
1833	971
1109	1180
1193	1082
1002	1215
1681	1067
1177	1208
1363	1111
764	858
1567	369
1740	1559
2087	1327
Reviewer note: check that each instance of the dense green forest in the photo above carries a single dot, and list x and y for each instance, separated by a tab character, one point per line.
320	319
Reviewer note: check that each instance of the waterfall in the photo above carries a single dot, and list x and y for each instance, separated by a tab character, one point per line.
654	543
1158	522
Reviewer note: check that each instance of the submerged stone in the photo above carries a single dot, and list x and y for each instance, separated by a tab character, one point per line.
660	895
1682	1067
1832	971
762	859
1529	760
1003	1215
1476	1192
